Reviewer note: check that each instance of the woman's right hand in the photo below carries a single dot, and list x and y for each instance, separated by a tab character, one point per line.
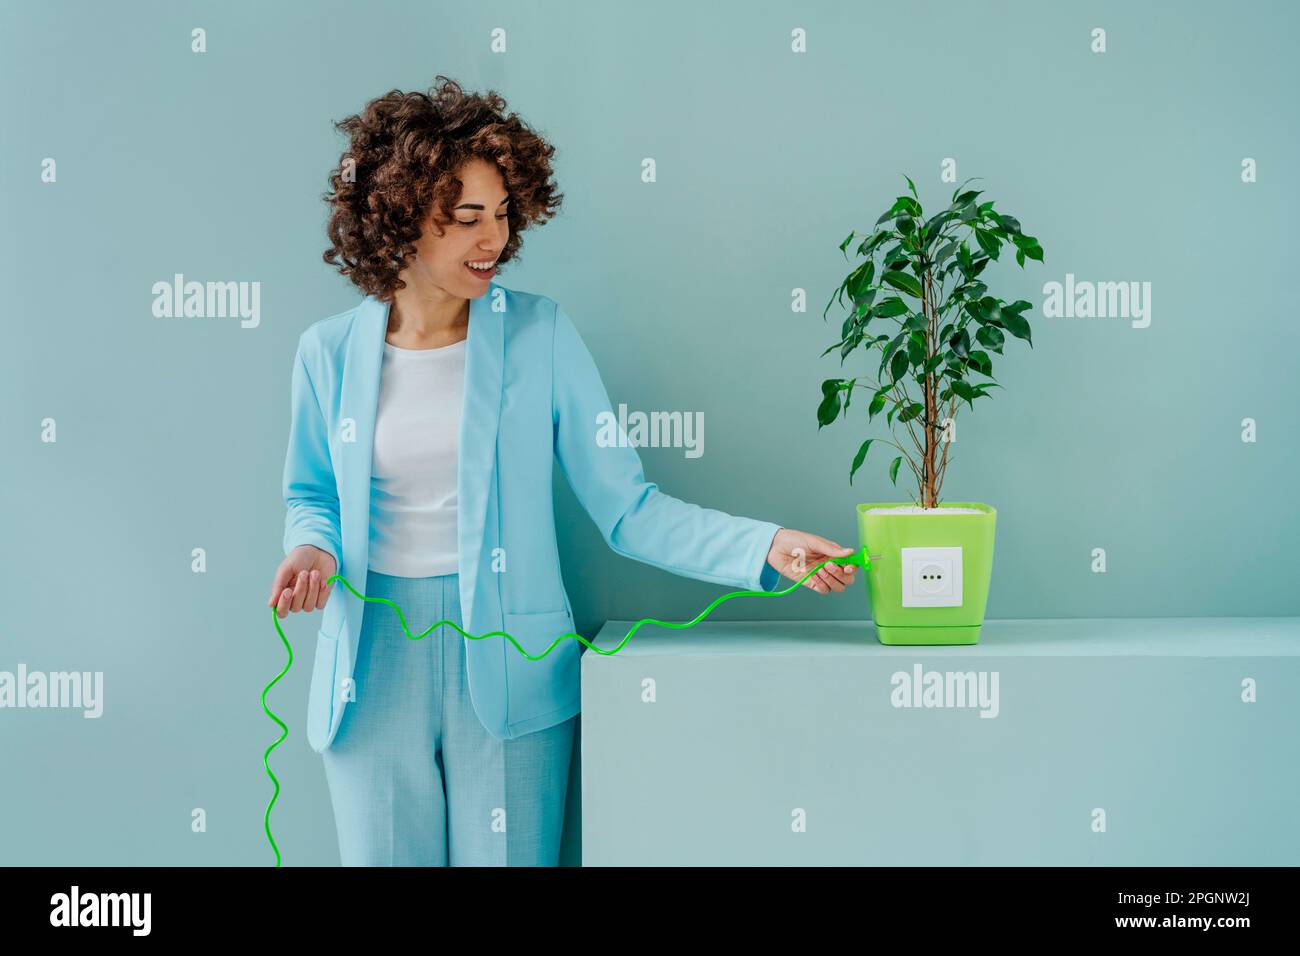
300	580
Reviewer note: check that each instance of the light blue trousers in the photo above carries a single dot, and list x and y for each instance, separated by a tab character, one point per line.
414	776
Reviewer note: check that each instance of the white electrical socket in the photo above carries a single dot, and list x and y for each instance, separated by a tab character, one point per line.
931	577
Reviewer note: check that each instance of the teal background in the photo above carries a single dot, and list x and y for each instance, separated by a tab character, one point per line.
171	432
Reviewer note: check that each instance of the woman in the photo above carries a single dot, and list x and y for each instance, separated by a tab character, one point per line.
425	424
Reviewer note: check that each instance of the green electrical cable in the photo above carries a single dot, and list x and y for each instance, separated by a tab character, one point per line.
266	757
859	558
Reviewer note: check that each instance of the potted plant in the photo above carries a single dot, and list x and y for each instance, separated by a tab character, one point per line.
919	297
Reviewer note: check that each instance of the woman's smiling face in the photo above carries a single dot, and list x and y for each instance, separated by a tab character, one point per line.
478	233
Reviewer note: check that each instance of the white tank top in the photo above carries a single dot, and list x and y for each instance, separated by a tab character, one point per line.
414	461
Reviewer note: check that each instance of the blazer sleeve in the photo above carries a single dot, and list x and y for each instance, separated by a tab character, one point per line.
636	519
310	491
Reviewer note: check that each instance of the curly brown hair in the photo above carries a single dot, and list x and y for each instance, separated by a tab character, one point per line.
406	148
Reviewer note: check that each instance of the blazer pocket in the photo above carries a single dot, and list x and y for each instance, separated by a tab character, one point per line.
333	617
537	630
320	698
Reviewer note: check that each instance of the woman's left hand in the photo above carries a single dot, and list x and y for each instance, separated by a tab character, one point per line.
795	553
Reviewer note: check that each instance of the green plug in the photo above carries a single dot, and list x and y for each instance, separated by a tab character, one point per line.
859	557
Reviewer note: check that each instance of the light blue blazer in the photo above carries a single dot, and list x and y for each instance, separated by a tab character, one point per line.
532	397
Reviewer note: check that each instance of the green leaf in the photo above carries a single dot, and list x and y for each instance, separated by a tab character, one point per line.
916	349
890	307
991	337
916	322
859	458
903	205
903	281
836	295
898	365
829	409
864	305
1018	326
963	256
960	343
982	362
935	226
895	257
891	349
847	240
945	251
959	188
860	279
988	242
869	246
964	390
893	469
877	403
991	310
934	362
911	411
1009	223
1029	246
911	185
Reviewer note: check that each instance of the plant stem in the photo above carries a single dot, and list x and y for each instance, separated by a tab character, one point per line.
932	333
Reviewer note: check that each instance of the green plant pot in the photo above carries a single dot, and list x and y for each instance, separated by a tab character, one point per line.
928	577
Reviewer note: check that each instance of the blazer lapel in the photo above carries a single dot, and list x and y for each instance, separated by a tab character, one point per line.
480	418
